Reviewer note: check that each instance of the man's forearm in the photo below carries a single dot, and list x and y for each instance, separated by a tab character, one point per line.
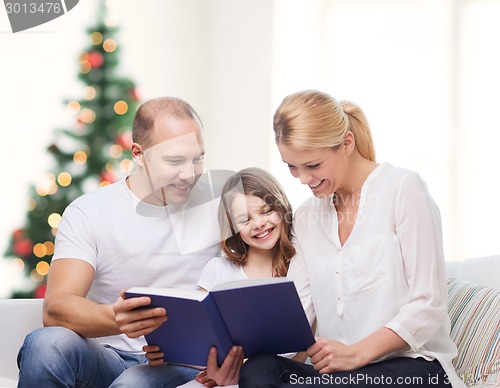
81	315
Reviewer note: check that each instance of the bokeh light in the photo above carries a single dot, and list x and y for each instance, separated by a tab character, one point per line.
89	93
121	107
126	165
47	186
49	245
96	38
115	151
109	45
54	219
39	250
17	264
80	157
87	116
35	276
64	179
73	107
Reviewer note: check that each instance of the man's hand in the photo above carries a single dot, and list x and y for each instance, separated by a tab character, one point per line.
136	322
227	374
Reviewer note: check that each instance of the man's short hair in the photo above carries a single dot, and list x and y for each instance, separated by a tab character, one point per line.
150	111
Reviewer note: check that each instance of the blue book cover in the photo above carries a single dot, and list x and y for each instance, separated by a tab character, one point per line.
261	315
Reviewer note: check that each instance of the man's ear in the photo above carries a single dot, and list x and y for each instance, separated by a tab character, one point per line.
137	154
349	142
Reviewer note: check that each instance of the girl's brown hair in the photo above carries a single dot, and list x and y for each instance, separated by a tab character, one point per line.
259	183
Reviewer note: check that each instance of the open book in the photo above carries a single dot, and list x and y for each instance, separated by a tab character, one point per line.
261	315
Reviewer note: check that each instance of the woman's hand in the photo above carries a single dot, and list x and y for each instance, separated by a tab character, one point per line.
329	355
153	354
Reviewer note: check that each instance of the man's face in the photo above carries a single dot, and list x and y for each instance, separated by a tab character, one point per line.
175	161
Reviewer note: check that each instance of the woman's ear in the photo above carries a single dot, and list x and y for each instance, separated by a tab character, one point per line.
137	154
349	142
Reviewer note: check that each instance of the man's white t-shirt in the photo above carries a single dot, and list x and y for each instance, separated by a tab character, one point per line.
131	243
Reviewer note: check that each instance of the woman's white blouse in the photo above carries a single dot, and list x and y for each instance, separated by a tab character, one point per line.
390	272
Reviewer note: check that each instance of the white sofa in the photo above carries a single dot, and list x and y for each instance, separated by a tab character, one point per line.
474	307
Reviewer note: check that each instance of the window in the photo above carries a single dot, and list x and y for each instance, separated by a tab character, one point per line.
425	72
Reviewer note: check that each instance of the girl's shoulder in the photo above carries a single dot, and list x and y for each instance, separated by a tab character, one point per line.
220	262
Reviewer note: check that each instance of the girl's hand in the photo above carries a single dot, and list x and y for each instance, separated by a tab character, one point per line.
203	378
229	371
153	354
329	355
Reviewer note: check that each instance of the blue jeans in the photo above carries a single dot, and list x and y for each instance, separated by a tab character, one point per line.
161	376
58	357
274	371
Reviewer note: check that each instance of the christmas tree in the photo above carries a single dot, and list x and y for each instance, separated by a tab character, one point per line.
93	153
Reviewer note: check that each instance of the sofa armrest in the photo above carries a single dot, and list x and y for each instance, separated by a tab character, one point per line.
18	317
481	271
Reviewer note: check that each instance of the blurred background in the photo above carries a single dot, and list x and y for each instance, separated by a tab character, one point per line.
424	71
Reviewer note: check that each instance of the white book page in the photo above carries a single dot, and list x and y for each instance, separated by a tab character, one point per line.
250	283
176	292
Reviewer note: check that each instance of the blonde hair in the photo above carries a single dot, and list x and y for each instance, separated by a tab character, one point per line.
259	183
312	119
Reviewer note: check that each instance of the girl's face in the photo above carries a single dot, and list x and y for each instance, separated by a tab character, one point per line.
323	169
259	225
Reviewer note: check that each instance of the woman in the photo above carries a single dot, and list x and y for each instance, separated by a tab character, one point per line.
370	250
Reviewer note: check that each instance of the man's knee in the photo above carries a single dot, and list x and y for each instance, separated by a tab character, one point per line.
49	340
52	336
154	376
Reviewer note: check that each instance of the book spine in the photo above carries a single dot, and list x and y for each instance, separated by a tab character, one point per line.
225	341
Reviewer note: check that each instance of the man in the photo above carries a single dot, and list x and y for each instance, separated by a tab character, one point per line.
120	236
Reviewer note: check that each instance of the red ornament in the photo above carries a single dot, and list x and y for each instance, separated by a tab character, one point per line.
23	247
18	234
40	291
96	59
124	140
134	94
107	177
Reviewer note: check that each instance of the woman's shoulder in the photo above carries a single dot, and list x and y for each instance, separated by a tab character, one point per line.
389	170
402	182
398	175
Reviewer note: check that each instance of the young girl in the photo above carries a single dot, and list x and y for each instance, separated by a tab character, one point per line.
255	219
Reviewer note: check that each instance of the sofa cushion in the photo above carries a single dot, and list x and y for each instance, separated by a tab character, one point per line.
475	328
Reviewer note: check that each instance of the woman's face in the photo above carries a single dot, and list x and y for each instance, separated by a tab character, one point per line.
323	169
